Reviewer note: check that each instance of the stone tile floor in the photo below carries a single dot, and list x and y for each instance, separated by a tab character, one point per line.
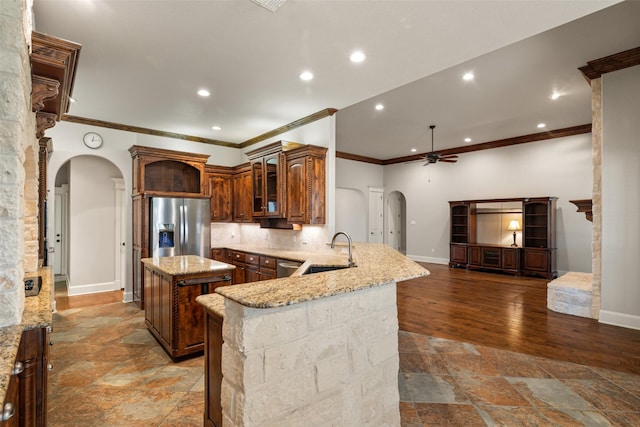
109	371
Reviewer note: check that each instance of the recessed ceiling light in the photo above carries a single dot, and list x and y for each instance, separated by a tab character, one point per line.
413	150
357	56
555	95
203	92
541	125
306	75
216	128
379	107
467	140
468	76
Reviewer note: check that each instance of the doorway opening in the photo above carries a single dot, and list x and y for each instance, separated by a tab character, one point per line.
397	221
88	237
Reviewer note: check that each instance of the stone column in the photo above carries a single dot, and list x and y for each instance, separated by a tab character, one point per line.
596	245
17	136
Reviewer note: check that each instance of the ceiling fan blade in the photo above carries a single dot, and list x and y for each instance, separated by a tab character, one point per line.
448	160
449	156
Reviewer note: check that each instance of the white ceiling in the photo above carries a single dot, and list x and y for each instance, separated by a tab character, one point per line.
142	62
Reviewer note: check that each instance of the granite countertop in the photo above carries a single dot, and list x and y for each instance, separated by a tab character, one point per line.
376	264
186	264
37	314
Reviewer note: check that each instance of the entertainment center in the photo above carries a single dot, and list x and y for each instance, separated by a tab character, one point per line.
481	235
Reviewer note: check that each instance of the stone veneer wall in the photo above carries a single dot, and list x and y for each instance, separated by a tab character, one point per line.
18	145
328	362
596	246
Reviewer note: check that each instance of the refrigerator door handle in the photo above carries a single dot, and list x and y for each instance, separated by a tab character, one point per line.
183	226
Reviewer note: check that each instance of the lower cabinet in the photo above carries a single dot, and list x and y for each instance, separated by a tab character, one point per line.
487	257
10	415
25	403
252	267
540	262
172	314
458	255
213	370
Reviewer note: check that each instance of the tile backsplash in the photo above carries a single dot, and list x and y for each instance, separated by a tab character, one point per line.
310	238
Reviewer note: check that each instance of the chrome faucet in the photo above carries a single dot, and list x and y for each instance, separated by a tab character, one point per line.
333	245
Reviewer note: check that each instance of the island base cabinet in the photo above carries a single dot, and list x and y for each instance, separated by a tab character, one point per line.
213	370
172	314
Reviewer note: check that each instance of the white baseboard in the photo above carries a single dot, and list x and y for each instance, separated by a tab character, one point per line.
92	288
620	319
420	258
127	297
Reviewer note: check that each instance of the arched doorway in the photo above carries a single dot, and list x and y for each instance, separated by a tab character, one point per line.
88	230
397	221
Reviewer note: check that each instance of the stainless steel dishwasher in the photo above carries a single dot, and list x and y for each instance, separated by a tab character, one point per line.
286	268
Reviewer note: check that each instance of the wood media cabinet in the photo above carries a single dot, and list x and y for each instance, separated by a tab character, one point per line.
480	239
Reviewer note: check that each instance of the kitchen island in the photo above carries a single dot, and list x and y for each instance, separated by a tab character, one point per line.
313	349
171	313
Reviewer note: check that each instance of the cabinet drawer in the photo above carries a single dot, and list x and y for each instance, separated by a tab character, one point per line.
267	262
237	256
252	259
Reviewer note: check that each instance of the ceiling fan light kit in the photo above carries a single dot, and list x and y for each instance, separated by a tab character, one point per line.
433	157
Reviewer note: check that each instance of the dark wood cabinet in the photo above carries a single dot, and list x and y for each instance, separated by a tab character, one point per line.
172	314
305	180
213	369
539	237
219	187
26	396
11	405
267	186
242	201
537	256
458	254
158	172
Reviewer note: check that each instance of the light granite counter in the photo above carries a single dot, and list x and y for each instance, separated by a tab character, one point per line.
186	265
376	264
37	314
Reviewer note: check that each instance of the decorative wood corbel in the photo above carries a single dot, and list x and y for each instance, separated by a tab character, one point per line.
43	89
44	121
584	205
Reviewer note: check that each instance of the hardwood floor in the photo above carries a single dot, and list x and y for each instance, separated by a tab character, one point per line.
510	313
65	302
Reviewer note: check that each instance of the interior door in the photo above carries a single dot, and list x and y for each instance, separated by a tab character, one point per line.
376	215
60	221
395	220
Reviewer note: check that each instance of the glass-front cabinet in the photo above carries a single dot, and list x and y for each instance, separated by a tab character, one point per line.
267	186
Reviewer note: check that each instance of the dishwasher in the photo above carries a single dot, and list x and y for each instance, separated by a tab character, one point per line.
286	268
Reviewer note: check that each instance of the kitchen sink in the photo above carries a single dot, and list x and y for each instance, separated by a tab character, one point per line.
322	268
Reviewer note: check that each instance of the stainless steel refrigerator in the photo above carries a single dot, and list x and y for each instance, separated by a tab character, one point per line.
180	226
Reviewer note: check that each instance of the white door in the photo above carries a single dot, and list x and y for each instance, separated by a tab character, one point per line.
376	215
120	202
60	230
394	216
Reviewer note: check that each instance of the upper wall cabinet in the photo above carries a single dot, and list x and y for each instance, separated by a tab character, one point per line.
267	179
166	172
219	188
305	179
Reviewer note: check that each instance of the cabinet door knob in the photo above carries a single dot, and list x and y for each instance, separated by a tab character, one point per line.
7	411
18	367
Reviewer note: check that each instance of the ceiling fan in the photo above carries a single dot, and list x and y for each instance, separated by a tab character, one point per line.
433	157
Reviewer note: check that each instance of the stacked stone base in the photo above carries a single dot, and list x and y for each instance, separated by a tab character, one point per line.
572	293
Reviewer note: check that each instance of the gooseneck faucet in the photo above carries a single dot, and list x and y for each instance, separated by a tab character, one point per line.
333	245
